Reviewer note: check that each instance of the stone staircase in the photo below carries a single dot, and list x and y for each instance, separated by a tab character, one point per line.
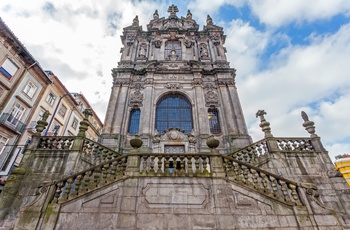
209	165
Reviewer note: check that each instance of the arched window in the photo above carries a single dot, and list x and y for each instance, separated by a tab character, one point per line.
174	111
214	123
134	121
173	50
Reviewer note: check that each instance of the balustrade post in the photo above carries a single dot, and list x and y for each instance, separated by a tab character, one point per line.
216	162
310	128
133	161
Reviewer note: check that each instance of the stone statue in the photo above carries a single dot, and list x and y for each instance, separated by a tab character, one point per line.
173	56
135	22
203	50
156	15
143	51
209	20
189	15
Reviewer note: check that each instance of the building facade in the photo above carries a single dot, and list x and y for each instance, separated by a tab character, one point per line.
174	87
26	92
176	153
22	84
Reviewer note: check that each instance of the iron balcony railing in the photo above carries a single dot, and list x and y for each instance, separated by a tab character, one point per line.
11	122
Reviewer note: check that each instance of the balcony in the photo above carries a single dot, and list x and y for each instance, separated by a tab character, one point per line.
11	122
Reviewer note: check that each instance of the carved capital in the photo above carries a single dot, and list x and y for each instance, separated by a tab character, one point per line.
197	82
121	82
226	82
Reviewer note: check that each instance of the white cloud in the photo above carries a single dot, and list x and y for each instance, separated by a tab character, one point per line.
312	78
244	43
277	13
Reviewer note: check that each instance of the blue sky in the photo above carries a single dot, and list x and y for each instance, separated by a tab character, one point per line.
290	56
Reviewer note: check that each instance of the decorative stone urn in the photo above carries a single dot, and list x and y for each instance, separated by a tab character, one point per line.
212	142
136	142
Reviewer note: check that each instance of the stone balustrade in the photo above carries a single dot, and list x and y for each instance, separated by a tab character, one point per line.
263	181
177	165
295	144
96	153
251	152
55	143
90	179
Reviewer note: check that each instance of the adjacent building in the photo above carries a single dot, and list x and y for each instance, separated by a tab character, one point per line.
26	92
342	164
22	85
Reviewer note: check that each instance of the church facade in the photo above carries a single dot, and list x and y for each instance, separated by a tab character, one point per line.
175	152
174	87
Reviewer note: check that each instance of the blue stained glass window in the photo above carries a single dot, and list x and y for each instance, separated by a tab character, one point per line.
214	123
134	121
174	111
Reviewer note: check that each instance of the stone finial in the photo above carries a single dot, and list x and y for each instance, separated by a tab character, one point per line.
42	123
135	22
87	113
45	115
173	10
189	14
84	124
209	20
309	125
265	126
156	15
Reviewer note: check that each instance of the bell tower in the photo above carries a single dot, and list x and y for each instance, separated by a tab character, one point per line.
173	87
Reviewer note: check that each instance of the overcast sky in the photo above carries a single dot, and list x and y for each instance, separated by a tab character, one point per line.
290	56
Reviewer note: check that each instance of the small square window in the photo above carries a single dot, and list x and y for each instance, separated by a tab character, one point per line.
51	98
8	68
62	111
30	89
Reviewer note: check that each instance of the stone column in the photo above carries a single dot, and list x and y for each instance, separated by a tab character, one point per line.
120	110
237	109
201	112
229	122
147	110
107	127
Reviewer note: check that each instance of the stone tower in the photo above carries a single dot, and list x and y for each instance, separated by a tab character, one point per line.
174	87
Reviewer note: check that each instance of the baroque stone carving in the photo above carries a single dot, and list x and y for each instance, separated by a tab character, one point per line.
209	86
136	99
173	77
173	86
188	43
142	51
197	82
211	98
203	49
148	81
157	43
226	82
122	82
130	39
